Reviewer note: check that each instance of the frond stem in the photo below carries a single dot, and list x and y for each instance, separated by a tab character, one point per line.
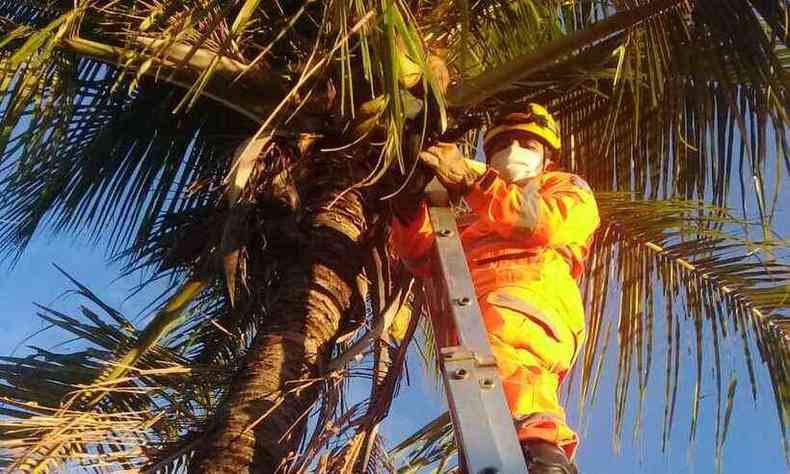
254	109
490	82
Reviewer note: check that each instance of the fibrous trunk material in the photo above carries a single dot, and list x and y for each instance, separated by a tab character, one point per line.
262	420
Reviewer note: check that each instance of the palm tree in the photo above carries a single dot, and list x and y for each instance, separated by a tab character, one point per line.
246	153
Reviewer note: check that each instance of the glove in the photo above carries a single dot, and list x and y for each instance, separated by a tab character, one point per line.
450	167
407	203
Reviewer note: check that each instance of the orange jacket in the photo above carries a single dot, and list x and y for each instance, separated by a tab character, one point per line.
533	236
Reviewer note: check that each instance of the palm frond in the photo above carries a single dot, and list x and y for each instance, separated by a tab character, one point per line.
432	444
718	287
93	158
501	77
47	422
675	92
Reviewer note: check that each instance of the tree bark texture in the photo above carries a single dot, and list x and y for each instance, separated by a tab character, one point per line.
263	418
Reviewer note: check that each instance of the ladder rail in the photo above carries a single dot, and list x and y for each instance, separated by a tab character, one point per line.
484	430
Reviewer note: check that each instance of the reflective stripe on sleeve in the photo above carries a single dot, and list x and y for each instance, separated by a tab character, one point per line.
529	211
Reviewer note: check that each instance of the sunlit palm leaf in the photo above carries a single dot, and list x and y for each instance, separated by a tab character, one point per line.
160	399
727	285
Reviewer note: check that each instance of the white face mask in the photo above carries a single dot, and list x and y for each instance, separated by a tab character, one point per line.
515	163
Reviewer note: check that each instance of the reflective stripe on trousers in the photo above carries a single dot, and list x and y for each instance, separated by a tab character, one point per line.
533	351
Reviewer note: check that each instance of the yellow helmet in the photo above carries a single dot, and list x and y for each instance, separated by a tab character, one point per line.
536	121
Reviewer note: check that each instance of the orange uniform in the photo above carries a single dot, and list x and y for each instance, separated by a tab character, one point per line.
526	250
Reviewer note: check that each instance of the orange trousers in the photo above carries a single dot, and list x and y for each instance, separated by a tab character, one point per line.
534	351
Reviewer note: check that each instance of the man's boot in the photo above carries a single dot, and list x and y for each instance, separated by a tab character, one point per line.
545	458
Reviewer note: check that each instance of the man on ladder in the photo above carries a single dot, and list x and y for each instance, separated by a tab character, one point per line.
526	249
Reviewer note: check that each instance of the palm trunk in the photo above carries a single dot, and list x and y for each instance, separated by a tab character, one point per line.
263	418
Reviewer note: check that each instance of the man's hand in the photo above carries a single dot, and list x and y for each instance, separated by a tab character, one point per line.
406	204
450	167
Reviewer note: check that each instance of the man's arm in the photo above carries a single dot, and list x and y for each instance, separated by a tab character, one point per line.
412	234
412	240
555	211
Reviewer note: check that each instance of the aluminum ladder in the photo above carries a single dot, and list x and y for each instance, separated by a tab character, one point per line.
484	430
